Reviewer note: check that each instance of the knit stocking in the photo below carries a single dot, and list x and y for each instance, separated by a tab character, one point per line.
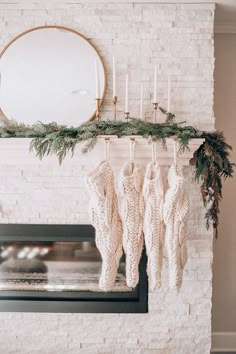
103	213
175	213
153	191
131	211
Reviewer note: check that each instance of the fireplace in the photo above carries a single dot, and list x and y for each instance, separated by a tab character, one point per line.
55	268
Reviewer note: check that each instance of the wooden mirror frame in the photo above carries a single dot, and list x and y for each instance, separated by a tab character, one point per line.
2	114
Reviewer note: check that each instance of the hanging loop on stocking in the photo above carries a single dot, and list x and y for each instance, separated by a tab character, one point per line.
107	149
132	149
176	147
154	152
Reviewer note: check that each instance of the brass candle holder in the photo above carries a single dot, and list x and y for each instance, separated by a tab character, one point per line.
115	99
127	115
97	115
155	106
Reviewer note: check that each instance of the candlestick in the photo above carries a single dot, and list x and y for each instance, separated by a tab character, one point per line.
127	93
155	106
141	102
115	99
169	99
126	115
114	76
155	85
97	81
98	100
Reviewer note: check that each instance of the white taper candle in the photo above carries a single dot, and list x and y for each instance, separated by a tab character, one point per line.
155	86
141	102
97	80
127	93
114	76
169	98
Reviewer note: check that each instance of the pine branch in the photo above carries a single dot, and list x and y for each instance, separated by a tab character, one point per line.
211	159
212	164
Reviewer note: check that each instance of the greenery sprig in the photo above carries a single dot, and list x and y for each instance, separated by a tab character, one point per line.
211	160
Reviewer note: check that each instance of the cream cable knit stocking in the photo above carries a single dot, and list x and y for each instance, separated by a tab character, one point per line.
175	213
131	211
103	212
153	191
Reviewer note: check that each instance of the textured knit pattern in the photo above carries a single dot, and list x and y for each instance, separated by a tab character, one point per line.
103	213
131	211
154	193
175	214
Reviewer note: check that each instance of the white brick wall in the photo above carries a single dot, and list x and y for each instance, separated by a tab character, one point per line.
179	39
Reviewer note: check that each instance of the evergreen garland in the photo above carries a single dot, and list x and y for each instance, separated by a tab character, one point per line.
211	159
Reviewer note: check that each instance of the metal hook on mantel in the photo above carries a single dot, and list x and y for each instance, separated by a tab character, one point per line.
176	148
107	149
154	152
132	149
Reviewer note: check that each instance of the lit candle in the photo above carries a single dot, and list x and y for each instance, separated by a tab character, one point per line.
97	80
114	77
155	86
141	102
169	88
127	94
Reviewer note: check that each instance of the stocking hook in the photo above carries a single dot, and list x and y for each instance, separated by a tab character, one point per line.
132	149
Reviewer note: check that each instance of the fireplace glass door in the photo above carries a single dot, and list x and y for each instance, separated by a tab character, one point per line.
53	266
56	268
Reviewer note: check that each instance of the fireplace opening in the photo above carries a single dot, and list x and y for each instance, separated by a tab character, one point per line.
56	268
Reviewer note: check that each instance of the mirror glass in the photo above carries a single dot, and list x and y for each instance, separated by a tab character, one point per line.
50	74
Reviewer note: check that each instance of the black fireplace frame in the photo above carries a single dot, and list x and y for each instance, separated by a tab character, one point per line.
69	302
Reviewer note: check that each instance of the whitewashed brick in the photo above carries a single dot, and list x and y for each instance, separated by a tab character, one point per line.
178	38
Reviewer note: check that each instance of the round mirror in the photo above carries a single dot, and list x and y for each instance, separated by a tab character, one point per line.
51	74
